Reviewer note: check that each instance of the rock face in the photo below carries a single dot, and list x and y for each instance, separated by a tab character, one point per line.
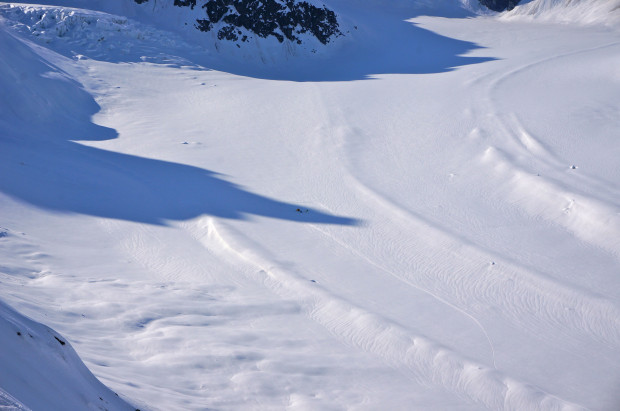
239	20
499	5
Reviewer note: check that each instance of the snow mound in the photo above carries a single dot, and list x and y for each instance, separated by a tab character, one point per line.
41	371
568	11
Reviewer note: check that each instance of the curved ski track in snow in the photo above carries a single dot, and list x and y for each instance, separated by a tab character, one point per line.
531	298
480	285
593	215
362	329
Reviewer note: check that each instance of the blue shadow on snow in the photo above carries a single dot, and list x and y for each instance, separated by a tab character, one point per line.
385	42
42	111
379	40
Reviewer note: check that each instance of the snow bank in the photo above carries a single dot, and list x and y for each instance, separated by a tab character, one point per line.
568	11
41	371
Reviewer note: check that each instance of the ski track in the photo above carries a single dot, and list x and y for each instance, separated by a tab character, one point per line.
592	217
590	220
423	358
452	269
455	271
528	146
531	299
534	300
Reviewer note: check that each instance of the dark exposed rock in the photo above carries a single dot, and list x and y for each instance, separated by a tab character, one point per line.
279	18
282	19
227	33
178	3
499	5
185	3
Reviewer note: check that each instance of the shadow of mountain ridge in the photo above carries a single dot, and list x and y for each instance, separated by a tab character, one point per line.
378	40
43	111
384	42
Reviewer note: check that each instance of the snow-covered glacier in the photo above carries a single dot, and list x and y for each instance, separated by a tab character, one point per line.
363	205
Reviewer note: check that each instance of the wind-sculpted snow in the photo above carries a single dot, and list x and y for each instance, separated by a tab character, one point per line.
426	218
398	346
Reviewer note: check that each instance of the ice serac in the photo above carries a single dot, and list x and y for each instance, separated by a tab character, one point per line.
496	5
241	20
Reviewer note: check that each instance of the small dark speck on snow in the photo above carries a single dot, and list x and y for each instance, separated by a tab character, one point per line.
59	340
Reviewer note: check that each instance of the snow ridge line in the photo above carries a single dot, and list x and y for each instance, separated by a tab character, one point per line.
588	219
528	143
437	297
420	356
583	210
535	300
535	297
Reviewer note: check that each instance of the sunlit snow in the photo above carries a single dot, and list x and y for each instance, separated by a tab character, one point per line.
422	215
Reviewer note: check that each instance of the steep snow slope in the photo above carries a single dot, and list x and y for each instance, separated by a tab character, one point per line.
428	221
568	11
40	370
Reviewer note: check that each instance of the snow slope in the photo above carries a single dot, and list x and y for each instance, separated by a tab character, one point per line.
568	11
40	370
426	219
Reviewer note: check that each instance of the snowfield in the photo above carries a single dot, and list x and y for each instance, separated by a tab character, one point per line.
424	215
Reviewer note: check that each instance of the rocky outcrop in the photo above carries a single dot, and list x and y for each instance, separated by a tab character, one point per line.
240	20
185	3
499	5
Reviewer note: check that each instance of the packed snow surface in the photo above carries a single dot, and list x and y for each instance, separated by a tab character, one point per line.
423	216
